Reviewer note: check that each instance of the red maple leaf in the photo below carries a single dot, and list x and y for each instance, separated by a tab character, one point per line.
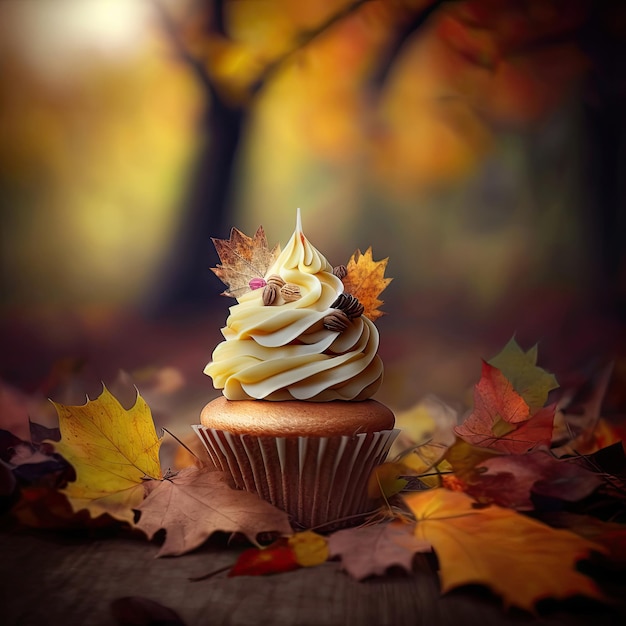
510	479
501	418
277	558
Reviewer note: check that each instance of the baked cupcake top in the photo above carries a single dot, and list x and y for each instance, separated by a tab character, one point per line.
298	336
297	419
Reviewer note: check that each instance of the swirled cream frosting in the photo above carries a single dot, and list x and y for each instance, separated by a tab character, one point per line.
283	350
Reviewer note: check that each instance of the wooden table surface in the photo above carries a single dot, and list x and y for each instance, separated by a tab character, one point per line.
50	578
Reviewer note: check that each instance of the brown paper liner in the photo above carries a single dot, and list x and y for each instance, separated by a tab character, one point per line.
317	480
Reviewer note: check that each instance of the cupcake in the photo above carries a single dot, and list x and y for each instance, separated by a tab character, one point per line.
298	367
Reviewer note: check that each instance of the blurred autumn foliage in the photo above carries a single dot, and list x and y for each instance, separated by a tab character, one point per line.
477	143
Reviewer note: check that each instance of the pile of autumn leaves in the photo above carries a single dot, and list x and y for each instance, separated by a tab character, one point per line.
464	491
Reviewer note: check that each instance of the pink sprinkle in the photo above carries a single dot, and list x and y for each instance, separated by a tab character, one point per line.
256	283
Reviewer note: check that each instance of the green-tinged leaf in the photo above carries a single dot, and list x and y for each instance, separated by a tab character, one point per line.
531	382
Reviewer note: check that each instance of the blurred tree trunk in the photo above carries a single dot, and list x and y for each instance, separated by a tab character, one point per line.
185	282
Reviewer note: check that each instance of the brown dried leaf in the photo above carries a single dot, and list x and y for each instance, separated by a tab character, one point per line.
372	550
365	280
242	259
196	502
140	611
386	480
510	479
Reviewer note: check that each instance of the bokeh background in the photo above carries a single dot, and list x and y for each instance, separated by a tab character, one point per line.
478	144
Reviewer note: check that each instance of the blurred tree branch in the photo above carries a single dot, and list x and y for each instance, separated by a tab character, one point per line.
304	39
231	95
184	279
403	35
172	30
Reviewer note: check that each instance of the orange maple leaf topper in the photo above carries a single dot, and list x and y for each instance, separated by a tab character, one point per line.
365	280
245	260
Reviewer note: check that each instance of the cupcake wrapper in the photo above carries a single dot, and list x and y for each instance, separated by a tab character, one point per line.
317	480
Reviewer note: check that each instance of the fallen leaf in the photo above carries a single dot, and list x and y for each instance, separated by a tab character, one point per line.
26	454
611	535
464	458
140	611
197	502
365	280
7	486
44	507
303	549
610	464
578	425
520	368
274	559
426	432
40	433
8	442
605	434
114	452
510	480
609	460
309	548
243	259
501	418
386	480
518	558
453	483
34	464
371	550
52	473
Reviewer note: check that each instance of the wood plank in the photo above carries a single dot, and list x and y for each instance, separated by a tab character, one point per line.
63	579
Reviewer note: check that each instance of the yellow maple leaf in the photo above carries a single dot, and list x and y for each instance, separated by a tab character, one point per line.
365	280
244	260
385	480
517	557
463	458
426	434
113	451
310	549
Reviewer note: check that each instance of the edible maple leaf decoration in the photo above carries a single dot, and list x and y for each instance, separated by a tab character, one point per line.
365	280
244	261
